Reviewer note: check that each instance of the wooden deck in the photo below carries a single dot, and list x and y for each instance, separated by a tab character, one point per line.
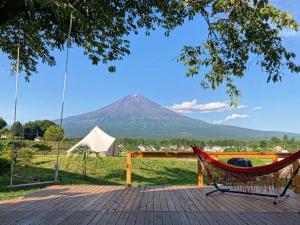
175	205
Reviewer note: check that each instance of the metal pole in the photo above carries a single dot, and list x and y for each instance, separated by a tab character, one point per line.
15	111
63	98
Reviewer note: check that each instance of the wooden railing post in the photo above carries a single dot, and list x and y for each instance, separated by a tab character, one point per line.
128	170
276	174
295	166
200	175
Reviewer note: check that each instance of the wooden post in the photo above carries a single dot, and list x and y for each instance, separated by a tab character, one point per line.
128	170
295	166
200	175
276	174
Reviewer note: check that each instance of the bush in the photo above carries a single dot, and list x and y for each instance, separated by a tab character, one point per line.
4	166
42	148
25	156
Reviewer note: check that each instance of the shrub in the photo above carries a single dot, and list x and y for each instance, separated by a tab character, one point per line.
25	156
4	166
42	148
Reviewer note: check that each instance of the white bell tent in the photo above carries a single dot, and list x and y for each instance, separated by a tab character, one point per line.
99	142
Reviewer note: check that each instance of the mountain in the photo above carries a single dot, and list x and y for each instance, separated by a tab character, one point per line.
138	117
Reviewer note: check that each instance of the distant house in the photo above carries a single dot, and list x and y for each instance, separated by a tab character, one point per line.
38	138
141	148
185	148
214	149
280	149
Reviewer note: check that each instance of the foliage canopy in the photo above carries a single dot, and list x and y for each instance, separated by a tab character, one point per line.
238	30
17	129
36	128
54	133
2	123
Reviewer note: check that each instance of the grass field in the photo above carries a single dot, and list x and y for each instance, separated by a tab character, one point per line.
105	171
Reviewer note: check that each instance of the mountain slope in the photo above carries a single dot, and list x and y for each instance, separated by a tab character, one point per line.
138	117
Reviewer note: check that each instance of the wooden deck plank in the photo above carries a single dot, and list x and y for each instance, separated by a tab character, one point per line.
201	220
132	218
157	218
97	217
22	203
150	200
170	203
149	218
140	219
166	218
175	200
144	199
34	204
175	218
156	197
150	205
123	218
162	199
137	203
183	218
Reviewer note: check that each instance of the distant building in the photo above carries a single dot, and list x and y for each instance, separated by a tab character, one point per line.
141	148
215	149
280	149
38	138
185	148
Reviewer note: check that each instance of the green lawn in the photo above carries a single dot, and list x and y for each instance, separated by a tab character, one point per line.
105	171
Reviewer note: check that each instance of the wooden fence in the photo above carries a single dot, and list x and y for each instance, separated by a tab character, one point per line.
218	155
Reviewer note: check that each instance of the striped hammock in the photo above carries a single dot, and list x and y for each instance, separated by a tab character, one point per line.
248	180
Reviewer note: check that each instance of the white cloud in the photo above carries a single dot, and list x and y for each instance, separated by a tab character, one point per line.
218	121
256	108
194	106
289	33
241	107
233	116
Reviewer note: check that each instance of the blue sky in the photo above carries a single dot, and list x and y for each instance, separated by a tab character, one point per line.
151	70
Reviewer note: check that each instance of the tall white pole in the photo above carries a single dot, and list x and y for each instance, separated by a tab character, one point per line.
15	112
63	98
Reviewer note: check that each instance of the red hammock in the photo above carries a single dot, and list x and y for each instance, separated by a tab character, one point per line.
249	171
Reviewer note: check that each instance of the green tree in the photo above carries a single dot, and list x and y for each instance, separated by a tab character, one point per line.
3	123
99	27
262	144
54	133
275	140
238	31
83	152
285	138
293	140
37	127
17	129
